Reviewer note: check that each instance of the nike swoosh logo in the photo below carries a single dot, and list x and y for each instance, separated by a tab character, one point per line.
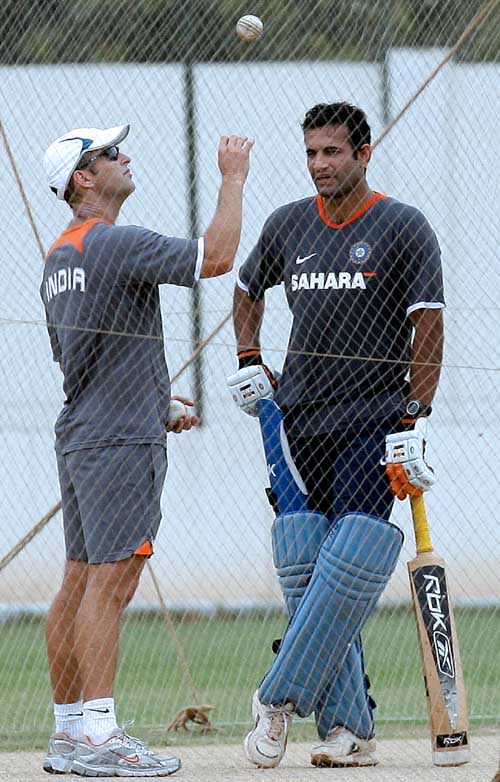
100	711
305	258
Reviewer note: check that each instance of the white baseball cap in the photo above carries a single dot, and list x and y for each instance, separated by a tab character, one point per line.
62	157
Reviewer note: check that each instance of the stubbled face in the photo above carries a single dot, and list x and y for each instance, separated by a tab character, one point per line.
331	162
113	178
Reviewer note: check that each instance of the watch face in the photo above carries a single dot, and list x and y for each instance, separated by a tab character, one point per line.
413	408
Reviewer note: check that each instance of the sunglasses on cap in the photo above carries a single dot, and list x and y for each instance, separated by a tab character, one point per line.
110	152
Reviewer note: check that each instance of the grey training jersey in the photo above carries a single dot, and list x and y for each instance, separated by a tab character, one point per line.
350	288
101	297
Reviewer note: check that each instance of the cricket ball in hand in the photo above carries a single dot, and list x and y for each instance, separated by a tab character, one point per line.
249	27
176	410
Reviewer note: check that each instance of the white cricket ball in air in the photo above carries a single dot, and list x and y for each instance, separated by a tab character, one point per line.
176	410
249	27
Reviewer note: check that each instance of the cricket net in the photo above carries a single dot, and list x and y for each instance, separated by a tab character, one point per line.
209	605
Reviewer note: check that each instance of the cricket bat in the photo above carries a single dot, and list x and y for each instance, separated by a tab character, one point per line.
442	668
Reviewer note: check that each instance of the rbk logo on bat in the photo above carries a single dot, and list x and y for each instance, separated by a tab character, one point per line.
444	654
430	585
452	740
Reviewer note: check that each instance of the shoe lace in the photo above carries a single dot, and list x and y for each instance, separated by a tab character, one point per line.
132	742
277	724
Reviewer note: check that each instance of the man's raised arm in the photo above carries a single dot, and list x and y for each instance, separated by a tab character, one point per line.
222	236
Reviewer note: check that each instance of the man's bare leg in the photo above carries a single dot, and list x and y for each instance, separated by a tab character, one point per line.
110	587
64	671
60	634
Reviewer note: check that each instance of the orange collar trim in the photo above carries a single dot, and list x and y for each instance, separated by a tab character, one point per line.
320	204
77	234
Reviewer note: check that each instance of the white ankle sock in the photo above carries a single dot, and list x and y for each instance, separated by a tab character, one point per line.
99	718
69	718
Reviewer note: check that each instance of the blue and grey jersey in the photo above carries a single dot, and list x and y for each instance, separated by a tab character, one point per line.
350	288
102	305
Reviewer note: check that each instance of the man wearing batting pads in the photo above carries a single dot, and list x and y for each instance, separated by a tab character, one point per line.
100	290
362	277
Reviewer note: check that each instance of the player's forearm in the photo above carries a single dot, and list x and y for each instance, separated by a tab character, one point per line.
222	236
247	319
427	354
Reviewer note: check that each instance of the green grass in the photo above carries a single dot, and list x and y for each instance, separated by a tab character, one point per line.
227	655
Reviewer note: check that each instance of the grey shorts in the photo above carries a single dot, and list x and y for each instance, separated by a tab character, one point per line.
111	500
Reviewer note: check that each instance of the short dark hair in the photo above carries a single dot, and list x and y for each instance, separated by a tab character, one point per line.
340	114
69	194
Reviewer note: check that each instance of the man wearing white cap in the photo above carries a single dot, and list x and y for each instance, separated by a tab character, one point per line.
100	290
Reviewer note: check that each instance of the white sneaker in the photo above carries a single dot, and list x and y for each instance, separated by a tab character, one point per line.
265	745
343	748
121	755
60	754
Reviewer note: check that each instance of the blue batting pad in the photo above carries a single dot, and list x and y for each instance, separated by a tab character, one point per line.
297	539
353	567
345	700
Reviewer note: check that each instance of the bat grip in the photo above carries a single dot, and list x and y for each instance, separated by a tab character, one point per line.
420	525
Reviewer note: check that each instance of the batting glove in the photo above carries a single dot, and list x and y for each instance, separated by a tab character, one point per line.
405	465
253	381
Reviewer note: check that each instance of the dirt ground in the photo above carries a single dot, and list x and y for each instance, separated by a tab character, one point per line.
400	761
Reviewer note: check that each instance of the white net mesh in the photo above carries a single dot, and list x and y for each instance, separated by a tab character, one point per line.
177	72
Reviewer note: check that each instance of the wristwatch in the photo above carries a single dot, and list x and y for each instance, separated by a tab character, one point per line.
416	409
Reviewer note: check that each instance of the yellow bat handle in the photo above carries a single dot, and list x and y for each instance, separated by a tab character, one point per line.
421	525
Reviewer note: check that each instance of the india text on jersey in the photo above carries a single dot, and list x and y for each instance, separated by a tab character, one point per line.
65	280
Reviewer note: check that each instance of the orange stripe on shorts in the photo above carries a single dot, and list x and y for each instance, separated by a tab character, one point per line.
145	550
